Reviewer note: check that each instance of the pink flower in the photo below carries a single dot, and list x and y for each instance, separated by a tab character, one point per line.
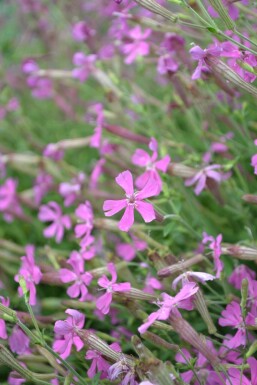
3	332
241	272
9	203
96	173
132	201
200	178
68	329
43	184
79	277
97	137
30	272
70	191
138	47
186	277
103	303
19	341
52	213
119	368
232	316
254	160
200	54
168	304
215	245
167	64
233	11
143	159
82	32
238	378
84	213
53	152
84	64
152	284
128	251
99	364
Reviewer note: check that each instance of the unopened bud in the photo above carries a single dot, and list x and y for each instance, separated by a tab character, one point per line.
222	11
126	134
240	252
181	266
188	334
219	67
136	294
154	7
158	341
179	169
249	198
201	306
244	296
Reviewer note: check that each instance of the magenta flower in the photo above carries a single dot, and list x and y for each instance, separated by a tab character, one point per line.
143	159
53	152
84	64
200	178
96	173
152	284
52	213
68	330
138	46
132	201
71	191
30	272
43	184
82	32
99	364
200	54
3	332
119	368
254	160
167	64
83	229
97	136
215	246
9	202
232	316
186	277
79	277
241	272
238	378
103	303
168	304
19	341
128	251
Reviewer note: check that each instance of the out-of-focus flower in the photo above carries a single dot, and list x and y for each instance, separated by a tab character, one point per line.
30	272
84	64
82	32
138	46
52	213
215	246
201	177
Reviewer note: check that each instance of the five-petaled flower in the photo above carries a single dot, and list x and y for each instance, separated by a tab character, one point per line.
215	245
143	159
103	303
132	201
30	272
52	213
68	331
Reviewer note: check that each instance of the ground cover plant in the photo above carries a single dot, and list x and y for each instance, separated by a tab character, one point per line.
128	168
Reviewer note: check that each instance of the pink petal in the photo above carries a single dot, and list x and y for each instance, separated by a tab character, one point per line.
141	158
121	287
103	303
112	207
78	318
163	163
62	327
125	181
146	210
67	275
127	219
149	190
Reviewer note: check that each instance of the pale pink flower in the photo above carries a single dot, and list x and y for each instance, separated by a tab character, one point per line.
71	191
81	31
215	246
192	275
97	136
128	251
53	152
84	213
103	303
78	277
254	160
241	272
52	213
168	304
19	341
138	46
42	185
132	201
99	364
201	54
143	159
30	272
85	65
96	173
201	177
121	368
68	331
9	202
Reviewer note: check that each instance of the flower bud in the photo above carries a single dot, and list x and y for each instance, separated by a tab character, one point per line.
201	306
249	198
179	169
188	334
181	266
126	134
137	294
154	7
240	252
